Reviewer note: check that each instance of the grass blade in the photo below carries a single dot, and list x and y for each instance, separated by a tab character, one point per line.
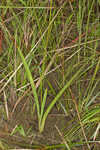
57	98
29	76
43	104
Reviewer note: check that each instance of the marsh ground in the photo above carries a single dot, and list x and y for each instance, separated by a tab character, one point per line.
50	59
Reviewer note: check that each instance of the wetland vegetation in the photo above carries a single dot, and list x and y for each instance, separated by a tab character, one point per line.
50	74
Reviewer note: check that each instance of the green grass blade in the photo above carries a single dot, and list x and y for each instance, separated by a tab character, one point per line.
92	81
93	99
91	114
57	98
43	103
51	88
23	2
29	76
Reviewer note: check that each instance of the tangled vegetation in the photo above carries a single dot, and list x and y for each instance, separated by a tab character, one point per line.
49	74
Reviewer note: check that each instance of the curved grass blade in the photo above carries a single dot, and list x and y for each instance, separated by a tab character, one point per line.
57	98
29	76
90	114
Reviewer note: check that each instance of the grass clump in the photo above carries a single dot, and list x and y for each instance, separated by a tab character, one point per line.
49	56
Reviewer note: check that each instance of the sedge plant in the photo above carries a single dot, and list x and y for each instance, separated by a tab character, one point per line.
42	116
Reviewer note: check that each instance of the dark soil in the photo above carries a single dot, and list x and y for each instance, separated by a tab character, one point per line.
22	116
